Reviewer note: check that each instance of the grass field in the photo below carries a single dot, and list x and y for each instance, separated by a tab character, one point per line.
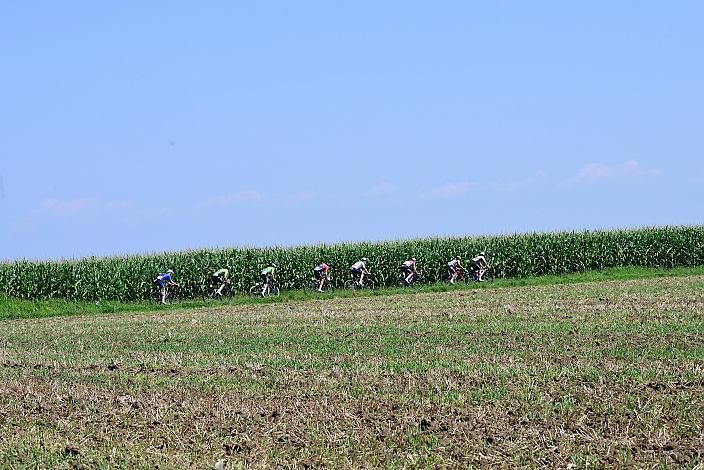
604	373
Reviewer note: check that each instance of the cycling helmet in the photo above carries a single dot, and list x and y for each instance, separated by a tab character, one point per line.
457	258
168	271
413	259
365	259
481	253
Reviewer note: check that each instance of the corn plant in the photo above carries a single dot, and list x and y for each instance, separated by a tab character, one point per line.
129	278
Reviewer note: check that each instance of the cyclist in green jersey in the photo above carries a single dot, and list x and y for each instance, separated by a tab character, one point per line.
268	274
220	279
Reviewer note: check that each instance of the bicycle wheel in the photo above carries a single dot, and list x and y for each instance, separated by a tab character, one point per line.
401	282
368	284
458	279
350	285
226	293
255	291
171	296
488	276
274	291
207	293
155	296
311	286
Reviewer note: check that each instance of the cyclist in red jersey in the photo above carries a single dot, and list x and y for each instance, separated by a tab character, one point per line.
320	272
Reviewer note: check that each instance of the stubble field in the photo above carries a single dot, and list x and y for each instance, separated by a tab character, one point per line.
592	374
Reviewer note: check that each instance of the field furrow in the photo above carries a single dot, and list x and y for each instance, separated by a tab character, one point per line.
593	374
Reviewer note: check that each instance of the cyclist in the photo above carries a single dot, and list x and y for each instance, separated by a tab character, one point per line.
359	269
478	265
408	268
268	274
452	268
220	279
163	281
321	274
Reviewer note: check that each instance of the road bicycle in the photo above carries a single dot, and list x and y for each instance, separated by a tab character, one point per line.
311	287
353	284
172	294
462	276
272	291
211	291
487	275
416	279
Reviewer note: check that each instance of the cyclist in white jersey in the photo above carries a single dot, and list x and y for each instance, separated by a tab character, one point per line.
452	268
478	265
408	268
359	269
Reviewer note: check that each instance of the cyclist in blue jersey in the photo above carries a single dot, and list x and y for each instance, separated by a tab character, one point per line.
163	281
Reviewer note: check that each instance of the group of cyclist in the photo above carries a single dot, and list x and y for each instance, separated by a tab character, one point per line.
220	278
477	265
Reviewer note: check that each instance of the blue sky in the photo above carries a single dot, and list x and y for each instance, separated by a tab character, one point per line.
135	127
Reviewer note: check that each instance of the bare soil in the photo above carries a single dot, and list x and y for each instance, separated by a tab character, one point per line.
604	374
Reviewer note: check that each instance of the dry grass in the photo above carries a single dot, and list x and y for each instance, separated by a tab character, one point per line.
596	374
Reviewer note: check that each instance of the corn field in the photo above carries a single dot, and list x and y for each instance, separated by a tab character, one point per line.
129	278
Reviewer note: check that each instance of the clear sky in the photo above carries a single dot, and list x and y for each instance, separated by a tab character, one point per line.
135	127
